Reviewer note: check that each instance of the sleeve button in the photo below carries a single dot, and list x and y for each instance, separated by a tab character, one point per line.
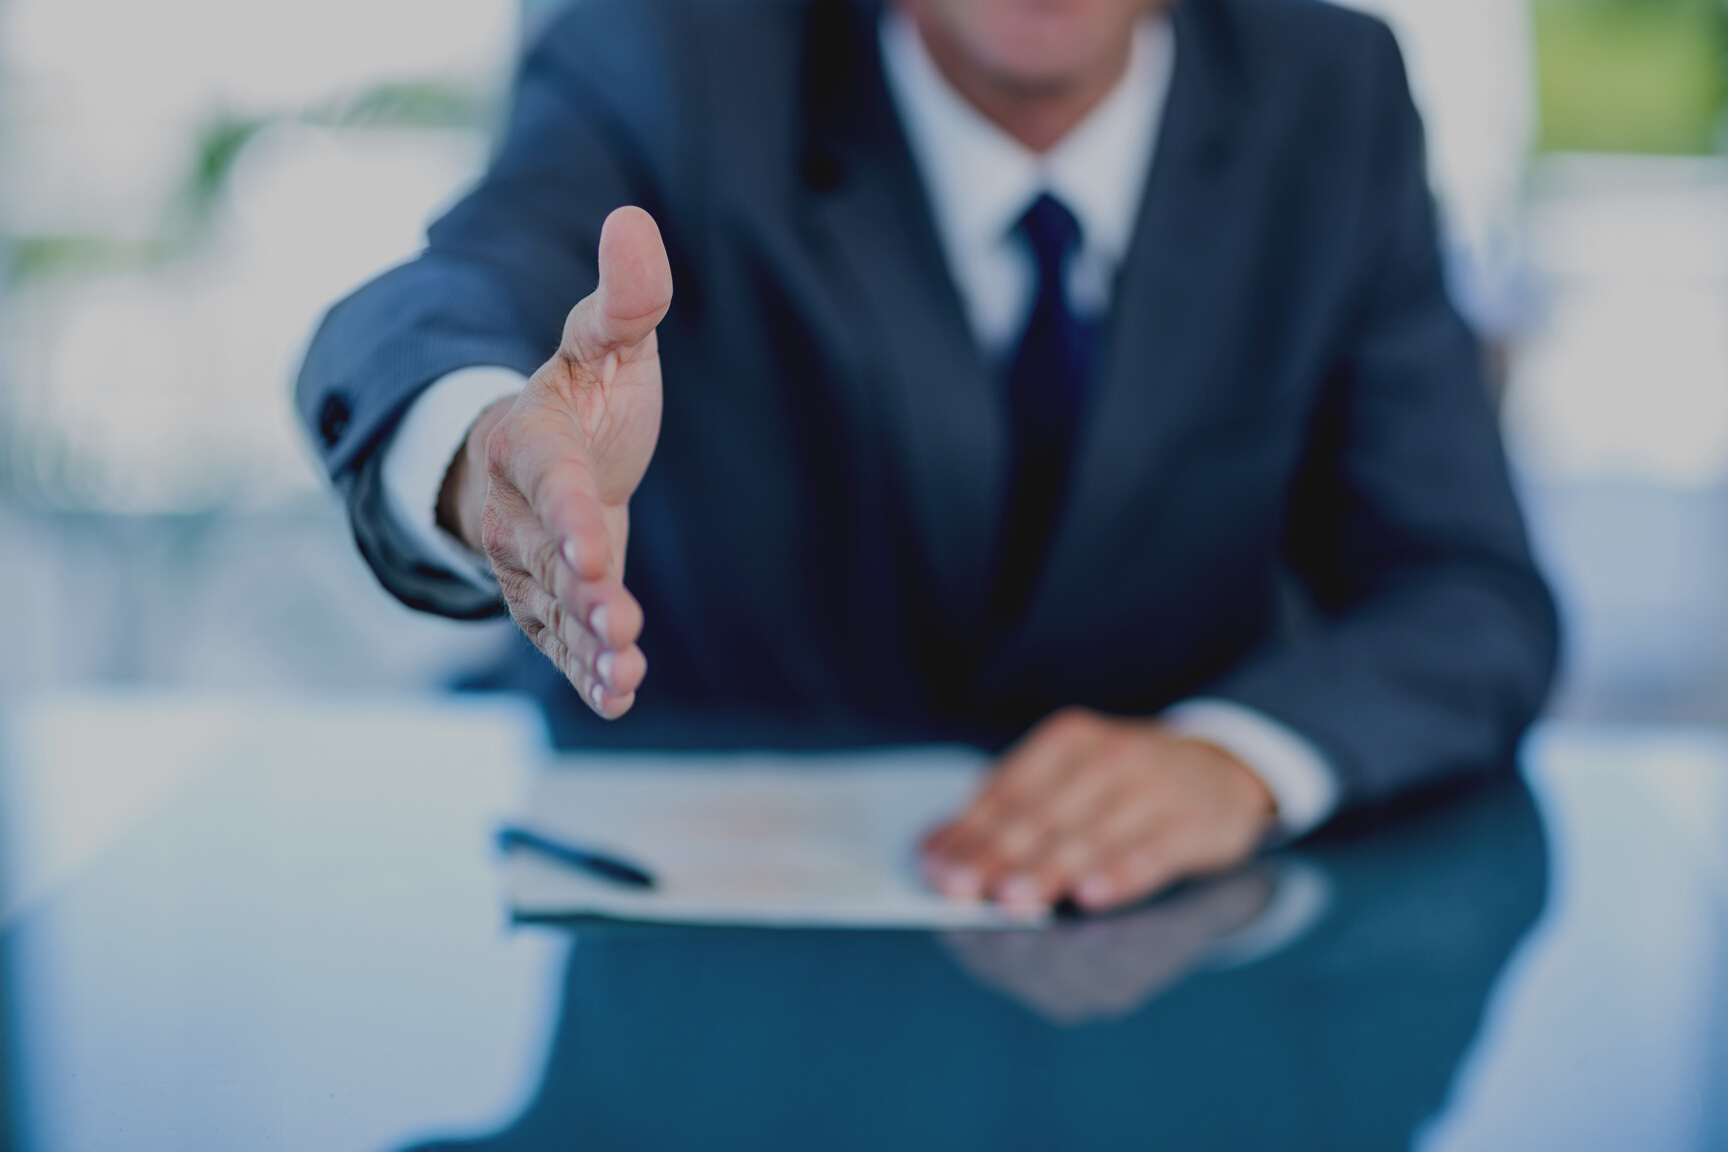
334	418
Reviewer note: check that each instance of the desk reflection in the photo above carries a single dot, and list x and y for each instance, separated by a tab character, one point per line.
1319	999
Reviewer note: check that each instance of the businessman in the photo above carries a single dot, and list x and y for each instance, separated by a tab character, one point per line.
1074	376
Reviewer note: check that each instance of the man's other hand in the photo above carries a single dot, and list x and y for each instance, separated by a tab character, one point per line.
1101	810
543	486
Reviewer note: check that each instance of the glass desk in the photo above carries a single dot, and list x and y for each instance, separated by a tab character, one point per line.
250	924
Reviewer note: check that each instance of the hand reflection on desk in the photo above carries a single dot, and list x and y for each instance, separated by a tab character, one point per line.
1078	971
1312	1000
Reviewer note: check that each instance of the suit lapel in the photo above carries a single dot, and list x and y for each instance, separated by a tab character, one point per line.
947	433
1165	317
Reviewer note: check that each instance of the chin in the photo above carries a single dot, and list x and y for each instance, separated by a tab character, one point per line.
1045	43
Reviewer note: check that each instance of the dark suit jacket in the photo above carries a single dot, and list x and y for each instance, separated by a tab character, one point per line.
1285	393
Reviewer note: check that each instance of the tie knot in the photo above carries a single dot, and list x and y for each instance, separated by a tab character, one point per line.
1051	231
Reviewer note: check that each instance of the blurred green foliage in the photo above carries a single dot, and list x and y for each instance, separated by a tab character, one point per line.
1632	75
410	104
32	258
217	144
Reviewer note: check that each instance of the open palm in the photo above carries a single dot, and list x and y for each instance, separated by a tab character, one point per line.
562	463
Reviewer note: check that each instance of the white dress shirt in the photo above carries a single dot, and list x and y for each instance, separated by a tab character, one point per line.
419	455
979	181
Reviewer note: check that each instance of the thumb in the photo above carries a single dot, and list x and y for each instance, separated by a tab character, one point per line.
635	288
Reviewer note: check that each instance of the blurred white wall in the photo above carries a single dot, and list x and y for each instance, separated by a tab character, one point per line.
1626	376
1472	66
150	369
1617	417
101	95
161	518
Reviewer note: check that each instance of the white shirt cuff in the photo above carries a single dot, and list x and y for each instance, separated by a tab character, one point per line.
419	453
1301	781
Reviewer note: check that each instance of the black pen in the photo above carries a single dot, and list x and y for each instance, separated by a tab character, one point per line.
594	863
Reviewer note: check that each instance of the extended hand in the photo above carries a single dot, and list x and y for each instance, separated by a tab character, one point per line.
544	485
1100	809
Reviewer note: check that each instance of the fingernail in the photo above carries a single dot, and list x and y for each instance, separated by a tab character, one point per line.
598	695
603	668
599	623
568	551
1018	889
1093	891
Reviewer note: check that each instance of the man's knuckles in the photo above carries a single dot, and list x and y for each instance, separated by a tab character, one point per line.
1069	722
1017	840
557	619
544	559
497	536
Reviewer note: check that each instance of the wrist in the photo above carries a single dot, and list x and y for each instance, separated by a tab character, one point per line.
462	497
1250	791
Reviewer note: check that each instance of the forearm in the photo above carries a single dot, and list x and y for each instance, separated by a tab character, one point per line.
1438	678
393	494
1436	635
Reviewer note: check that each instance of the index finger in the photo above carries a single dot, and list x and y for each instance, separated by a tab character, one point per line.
963	857
1025	772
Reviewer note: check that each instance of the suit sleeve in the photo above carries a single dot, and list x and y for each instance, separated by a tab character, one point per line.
492	288
1436	636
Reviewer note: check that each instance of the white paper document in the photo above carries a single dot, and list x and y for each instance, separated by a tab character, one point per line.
788	840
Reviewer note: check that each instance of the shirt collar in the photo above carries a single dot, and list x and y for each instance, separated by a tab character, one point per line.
981	180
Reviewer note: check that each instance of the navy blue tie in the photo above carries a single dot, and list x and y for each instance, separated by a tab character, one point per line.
1046	391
